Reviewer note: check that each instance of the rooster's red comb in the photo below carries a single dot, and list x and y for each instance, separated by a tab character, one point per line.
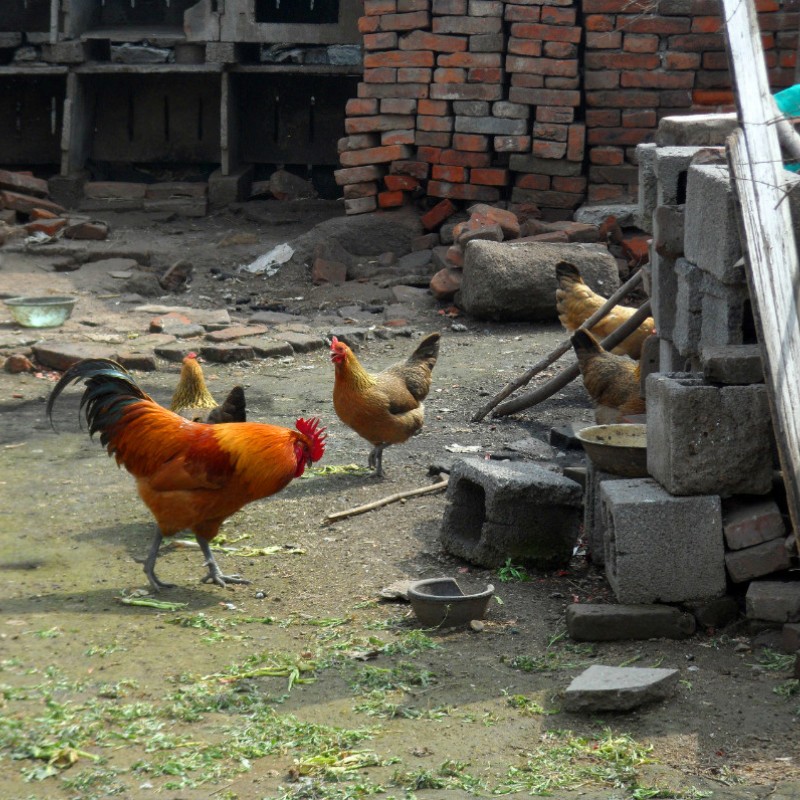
334	342
310	427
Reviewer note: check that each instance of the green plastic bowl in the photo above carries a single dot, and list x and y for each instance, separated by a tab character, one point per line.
40	312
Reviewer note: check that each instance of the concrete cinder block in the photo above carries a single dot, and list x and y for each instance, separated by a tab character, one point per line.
72	51
710	207
599	622
648	185
773	601
696	130
704	439
661	548
663	293
593	525
734	365
688	308
498	511
726	314
221	52
649	360
669	359
669	223
671	165
226	189
757	561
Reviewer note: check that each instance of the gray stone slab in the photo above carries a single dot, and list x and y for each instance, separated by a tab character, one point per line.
661	548
726	314
688	320
303	343
733	364
648	185
266	347
774	601
625	213
601	688
601	622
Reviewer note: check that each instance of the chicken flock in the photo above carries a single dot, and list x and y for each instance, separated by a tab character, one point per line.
199	462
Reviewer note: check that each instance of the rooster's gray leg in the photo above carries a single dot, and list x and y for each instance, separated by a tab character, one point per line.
376	459
150	564
214	573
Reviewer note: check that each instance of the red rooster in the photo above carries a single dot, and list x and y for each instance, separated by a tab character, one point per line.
190	475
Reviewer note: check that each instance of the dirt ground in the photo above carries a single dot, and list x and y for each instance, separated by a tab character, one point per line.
306	684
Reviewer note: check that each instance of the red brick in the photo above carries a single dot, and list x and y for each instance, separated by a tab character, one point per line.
451	174
368	25
547	33
685	60
466	25
549	149
512	144
605	40
357	106
355	190
549	130
557	82
391	199
433	139
48	226
526	80
380	41
380	75
433	107
560	49
360	205
706	24
622	99
399	58
343	177
400	183
575	184
712	98
657	80
604	118
640	43
455	255
526	47
576	142
23	183
467	91
358	142
434	123
411	90
542	66
640	118
607	156
25	204
554	200
514	13
40	213
392	105
663	26
461	158
325	271
414	75
599	22
489	177
463	191
555	15
556	114
763	6
380	122
405	22
378	7
399	137
532	181
432	219
439	43
601	79
617	136
614	6
628	61
450	75
600	194
485	75
432	155
412	5
482	214
413	169
473	142
374	155
469	60
712	60
445	283
697	42
544	97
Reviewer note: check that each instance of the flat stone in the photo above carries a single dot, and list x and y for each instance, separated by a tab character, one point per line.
738	364
774	601
265	347
173	352
61	356
715	613
225	353
351	336
602	688
532	448
303	343
236	332
218	317
625	214
589	622
564	436
272	318
143	362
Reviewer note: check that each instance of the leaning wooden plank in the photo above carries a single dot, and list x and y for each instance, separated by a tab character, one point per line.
771	250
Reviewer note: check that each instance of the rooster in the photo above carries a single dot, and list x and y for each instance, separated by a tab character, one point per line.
385	408
193	401
576	302
613	382
190	475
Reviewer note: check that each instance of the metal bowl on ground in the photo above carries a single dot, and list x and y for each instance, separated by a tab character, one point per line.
618	449
442	602
40	312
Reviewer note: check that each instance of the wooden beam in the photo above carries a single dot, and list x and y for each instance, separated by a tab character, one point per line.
761	184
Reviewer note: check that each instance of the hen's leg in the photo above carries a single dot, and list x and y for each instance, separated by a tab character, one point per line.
376	459
214	573
150	564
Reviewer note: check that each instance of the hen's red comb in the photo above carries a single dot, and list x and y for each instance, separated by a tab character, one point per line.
334	342
310	427
192	354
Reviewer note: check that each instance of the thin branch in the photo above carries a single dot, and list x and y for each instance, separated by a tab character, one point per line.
384	501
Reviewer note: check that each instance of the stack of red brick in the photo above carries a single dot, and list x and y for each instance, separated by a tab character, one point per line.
482	100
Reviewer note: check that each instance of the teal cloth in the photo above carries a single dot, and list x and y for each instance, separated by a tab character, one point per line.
788	101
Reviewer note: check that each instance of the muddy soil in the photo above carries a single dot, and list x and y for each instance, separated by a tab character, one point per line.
307	683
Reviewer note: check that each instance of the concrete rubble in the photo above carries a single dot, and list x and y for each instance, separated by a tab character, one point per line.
602	688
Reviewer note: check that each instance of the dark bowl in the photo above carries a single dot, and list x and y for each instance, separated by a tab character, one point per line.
618	449
440	602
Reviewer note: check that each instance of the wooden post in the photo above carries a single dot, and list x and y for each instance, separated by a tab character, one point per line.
773	271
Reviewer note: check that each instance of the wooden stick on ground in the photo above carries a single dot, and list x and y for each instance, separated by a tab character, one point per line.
570	373
384	501
552	357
